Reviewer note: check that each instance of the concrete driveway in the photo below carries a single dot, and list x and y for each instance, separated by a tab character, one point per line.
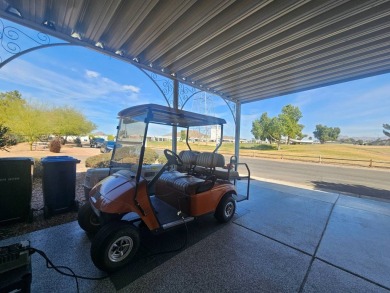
284	239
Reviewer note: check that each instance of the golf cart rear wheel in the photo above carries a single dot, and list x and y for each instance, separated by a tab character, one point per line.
226	209
87	219
114	246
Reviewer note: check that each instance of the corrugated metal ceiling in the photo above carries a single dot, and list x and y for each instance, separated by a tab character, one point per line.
242	50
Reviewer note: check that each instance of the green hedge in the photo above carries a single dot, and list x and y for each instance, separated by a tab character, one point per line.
150	156
98	161
103	160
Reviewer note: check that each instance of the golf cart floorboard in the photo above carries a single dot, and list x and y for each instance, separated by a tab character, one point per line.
241	197
167	215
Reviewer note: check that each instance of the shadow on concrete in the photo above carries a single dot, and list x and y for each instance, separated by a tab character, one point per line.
157	249
355	189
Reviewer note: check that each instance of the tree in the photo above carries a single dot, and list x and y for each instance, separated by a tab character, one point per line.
8	102
260	127
266	128
289	118
276	130
67	121
29	121
324	133
183	135
34	121
387	127
285	124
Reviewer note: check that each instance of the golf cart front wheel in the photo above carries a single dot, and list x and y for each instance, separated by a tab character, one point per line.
114	246
226	209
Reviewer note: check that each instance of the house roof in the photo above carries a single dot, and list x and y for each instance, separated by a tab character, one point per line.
242	50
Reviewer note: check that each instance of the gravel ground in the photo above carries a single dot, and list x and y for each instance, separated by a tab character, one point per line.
8	230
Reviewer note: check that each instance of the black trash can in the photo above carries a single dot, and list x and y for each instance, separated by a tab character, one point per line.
59	184
15	189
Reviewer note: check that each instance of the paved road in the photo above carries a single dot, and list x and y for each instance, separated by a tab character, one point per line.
358	181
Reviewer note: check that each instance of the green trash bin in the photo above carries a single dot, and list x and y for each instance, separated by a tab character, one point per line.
59	184
15	189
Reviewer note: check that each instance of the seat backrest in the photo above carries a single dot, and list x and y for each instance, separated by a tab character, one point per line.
210	160
189	159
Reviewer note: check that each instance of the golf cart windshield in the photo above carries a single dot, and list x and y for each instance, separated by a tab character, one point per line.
128	144
146	130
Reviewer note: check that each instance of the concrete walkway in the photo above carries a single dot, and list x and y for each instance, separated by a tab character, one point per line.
284	239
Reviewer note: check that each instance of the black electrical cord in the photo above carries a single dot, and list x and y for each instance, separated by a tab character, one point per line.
50	265
59	269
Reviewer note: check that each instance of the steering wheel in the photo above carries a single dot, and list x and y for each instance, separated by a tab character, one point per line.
173	158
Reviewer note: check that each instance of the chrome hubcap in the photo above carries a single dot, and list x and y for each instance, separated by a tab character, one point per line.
120	249
229	209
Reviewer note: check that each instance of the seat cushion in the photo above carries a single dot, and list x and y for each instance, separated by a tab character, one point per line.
226	174
182	183
170	176
189	184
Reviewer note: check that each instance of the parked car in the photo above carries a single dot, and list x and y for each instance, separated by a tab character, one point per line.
96	142
107	146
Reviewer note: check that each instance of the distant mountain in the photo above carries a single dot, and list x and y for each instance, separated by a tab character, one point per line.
364	138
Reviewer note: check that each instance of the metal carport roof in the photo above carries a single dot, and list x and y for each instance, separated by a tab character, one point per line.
241	50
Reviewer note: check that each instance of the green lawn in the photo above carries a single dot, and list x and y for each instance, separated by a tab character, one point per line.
327	153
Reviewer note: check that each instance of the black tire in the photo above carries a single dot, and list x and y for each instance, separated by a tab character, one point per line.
87	219
114	246
226	209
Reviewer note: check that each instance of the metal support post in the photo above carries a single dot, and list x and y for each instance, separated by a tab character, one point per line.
175	106
238	129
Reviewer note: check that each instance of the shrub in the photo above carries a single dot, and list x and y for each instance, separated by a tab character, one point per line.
122	152
6	140
55	146
150	156
129	155
98	161
162	159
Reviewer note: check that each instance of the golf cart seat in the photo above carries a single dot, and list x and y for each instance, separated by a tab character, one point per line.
226	174
189	161
182	183
207	162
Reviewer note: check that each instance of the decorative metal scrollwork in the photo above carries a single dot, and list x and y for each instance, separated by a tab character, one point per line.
164	84
14	42
232	107
186	92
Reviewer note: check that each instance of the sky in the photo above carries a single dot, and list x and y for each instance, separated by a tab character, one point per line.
100	86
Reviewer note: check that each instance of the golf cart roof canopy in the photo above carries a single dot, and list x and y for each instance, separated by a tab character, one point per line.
159	114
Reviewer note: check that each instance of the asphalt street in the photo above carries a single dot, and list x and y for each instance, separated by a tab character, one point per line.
359	181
